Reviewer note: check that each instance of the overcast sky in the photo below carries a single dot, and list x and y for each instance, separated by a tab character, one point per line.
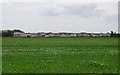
60	16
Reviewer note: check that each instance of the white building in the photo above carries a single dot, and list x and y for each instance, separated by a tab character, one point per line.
49	35
19	34
83	34
105	34
73	34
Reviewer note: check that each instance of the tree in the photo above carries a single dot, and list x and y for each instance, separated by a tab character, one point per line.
17	30
7	33
112	33
10	33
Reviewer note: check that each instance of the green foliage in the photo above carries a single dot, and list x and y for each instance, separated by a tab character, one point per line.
16	30
114	34
9	33
60	55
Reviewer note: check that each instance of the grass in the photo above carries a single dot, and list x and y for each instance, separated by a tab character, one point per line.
60	55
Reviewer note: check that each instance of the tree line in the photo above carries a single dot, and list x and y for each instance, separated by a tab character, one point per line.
114	34
10	33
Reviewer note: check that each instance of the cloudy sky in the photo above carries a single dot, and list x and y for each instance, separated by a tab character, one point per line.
60	16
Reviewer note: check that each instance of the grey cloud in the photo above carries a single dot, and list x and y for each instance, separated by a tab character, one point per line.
86	10
46	11
111	18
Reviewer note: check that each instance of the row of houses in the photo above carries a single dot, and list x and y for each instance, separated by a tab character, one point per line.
42	34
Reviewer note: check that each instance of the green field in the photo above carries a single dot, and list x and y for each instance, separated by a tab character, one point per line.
60	55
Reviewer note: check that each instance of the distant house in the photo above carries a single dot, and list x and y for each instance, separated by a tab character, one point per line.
43	34
56	34
105	34
19	34
95	34
84	34
64	34
100	34
38	34
49	34
73	34
67	34
33	35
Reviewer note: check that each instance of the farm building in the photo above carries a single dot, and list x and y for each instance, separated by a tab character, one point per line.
50	34
19	34
56	34
41	34
84	34
105	34
31	35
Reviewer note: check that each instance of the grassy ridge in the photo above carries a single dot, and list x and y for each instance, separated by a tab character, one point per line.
60	55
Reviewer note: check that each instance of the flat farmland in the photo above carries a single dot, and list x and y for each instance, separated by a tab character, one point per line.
60	55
